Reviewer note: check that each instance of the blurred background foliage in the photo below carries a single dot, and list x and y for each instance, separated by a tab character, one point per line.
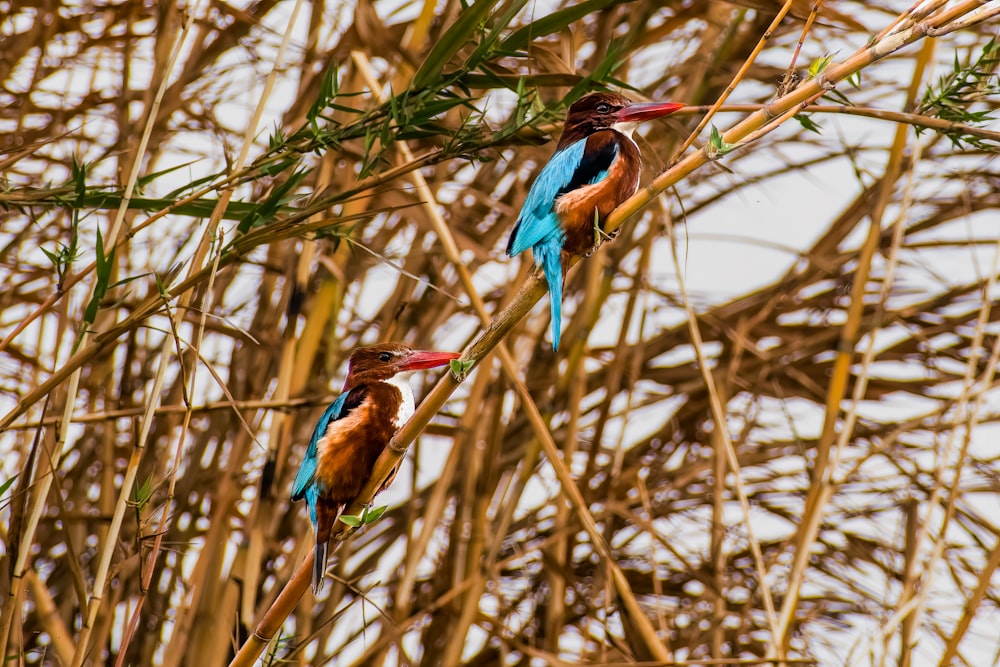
205	207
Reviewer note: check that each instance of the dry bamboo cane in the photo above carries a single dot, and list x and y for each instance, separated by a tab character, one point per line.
10	606
758	124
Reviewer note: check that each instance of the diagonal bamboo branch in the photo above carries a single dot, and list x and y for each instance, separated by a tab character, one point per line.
653	644
761	43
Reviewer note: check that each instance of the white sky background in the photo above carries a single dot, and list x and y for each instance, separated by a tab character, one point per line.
728	250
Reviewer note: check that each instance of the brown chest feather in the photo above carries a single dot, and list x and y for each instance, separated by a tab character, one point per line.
347	452
582	211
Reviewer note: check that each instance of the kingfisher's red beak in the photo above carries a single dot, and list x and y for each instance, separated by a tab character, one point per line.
419	360
636	113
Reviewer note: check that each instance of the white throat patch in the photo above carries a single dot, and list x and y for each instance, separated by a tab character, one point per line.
625	127
401	381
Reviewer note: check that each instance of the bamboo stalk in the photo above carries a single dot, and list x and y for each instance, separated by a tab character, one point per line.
501	523
776	650
819	493
703	123
971	604
74	381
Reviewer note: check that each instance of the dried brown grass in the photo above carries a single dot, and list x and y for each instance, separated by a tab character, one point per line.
580	507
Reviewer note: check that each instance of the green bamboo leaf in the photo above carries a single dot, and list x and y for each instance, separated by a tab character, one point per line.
149	178
191	186
6	484
808	123
344	108
275	202
327	92
279	167
396	110
459	33
840	97
55	258
497	26
102	272
128	279
350	520
554	22
199	208
78	176
103	262
373	515
438	107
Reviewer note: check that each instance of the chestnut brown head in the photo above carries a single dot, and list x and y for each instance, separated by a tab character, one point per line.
600	111
381	362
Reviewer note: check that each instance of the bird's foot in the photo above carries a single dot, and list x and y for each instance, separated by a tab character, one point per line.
601	236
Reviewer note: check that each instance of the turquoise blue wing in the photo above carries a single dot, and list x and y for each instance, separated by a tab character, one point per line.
307	471
538	221
582	163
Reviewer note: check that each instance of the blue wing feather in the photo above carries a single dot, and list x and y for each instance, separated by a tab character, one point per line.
303	486
537	221
570	168
538	225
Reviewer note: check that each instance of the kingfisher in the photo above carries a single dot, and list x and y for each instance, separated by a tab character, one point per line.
352	432
595	168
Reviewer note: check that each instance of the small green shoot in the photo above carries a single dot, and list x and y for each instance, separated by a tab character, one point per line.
276	141
161	287
62	259
142	494
717	146
808	123
957	91
368	516
374	514
460	368
818	65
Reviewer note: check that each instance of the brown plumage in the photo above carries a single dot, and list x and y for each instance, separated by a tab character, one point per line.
352	433
594	169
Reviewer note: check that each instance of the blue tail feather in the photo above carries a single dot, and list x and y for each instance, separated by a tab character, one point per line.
548	255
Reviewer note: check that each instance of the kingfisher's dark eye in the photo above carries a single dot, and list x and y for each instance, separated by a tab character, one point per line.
603	108
384	356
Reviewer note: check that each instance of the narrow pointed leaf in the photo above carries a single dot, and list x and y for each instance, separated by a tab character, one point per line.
458	34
